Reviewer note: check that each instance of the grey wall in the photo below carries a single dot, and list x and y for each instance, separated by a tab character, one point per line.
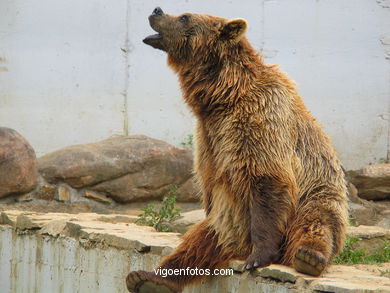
77	71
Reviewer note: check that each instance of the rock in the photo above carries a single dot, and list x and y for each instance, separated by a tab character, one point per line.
23	222
187	220
18	171
353	194
338	279
368	232
345	279
25	198
90	227
114	219
6	219
89	238
382	270
97	196
371	213
279	273
188	191
30	220
63	194
362	214
126	168
385	219
237	265
370	238
44	190
372	181
53	228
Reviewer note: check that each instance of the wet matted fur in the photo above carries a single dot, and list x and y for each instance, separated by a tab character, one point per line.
272	186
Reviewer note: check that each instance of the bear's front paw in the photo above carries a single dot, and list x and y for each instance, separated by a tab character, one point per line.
309	261
260	258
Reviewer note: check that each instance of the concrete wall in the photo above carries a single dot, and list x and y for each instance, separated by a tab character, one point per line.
77	71
83	253
32	263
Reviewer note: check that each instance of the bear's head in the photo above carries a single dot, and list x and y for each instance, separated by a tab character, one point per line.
191	36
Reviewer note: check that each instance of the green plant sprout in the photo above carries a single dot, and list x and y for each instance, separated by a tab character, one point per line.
161	218
351	256
188	142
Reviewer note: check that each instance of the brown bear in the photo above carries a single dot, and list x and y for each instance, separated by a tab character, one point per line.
272	187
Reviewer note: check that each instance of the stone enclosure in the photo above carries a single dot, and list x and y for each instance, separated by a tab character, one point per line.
120	169
88	252
67	221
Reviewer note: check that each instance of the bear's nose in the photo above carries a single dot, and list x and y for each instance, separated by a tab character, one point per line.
157	11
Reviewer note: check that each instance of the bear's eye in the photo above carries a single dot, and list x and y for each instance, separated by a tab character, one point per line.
183	18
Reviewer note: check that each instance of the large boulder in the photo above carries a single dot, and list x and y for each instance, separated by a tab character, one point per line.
372	181
126	168
188	220
189	191
18	171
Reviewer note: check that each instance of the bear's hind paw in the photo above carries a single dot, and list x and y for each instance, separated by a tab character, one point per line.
145	282
309	261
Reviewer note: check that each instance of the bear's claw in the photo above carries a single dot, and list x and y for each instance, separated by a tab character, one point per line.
260	259
309	261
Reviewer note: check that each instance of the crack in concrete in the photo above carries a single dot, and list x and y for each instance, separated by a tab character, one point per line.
126	52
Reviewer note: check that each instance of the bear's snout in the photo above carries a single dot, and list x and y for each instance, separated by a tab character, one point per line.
157	11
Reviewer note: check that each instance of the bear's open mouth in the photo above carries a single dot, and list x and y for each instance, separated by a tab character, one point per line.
153	37
154	41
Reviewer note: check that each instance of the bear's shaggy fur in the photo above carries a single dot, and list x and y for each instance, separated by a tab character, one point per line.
272	187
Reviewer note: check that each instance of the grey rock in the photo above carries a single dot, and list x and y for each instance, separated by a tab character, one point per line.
63	193
187	220
372	181
370	238
279	273
23	222
363	214
97	197
44	190
345	279
188	191
384	221
125	168
353	194
237	265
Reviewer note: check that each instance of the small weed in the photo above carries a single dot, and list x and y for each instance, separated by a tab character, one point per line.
160	218
351	256
385	273
380	255
188	142
352	222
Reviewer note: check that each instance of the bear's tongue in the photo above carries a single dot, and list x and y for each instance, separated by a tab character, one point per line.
155	36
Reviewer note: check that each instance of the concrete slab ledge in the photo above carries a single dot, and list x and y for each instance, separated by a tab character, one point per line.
58	252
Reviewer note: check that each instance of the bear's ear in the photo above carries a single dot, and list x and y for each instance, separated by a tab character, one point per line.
234	29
